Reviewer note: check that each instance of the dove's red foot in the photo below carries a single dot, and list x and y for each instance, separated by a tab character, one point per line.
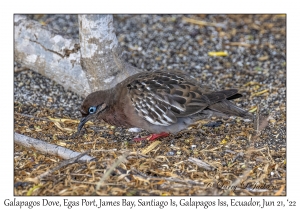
152	137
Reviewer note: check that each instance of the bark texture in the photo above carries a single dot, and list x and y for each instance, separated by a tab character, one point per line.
47	148
54	56
101	57
92	63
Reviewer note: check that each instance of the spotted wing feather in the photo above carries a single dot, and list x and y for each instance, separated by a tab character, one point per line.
162	97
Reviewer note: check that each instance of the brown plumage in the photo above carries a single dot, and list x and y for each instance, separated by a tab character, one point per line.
159	101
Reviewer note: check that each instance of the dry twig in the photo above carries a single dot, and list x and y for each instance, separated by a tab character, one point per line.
62	164
201	164
108	172
47	148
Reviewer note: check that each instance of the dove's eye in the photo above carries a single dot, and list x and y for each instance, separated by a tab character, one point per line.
92	109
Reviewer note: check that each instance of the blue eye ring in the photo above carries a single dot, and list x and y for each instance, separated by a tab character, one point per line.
92	109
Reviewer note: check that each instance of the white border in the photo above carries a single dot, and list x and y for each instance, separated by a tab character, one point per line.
154	6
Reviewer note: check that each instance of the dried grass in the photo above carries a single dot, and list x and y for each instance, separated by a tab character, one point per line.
190	163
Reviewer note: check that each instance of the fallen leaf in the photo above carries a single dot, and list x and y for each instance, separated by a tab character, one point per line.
224	141
259	93
35	187
221	53
63	129
253	109
150	147
263	58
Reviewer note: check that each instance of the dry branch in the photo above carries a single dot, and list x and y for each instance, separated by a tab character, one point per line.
60	165
47	148
93	63
55	56
201	164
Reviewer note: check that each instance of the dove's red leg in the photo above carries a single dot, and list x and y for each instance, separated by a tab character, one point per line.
152	137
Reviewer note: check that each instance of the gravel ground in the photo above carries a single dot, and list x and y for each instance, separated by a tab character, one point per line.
255	64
